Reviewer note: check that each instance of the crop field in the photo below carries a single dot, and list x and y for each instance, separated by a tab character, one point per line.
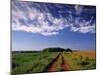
52	37
37	62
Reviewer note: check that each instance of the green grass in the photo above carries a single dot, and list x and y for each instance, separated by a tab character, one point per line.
31	62
59	62
36	62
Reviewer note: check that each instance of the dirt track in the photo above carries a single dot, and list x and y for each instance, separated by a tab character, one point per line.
64	65
52	67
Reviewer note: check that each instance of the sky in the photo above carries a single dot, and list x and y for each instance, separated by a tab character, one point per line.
36	26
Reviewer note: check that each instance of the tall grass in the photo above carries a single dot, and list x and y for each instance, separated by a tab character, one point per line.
31	62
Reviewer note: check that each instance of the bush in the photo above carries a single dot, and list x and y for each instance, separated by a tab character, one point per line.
68	50
83	61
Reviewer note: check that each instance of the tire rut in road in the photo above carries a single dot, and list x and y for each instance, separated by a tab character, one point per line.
52	66
64	64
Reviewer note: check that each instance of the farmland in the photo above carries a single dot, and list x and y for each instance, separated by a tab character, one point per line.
36	62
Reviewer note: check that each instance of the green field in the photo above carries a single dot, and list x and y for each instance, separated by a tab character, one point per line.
35	62
31	62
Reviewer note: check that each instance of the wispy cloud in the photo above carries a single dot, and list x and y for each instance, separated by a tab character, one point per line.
83	26
40	18
78	9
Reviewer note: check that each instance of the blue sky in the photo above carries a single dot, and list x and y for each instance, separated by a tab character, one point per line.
36	26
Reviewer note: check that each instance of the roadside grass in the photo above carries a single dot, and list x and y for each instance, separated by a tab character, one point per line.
31	62
59	62
44	62
23	63
72	60
81	60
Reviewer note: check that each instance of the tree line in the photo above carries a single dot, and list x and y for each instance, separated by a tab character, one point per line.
46	50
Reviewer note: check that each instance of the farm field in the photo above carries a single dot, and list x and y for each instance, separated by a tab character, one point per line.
52	37
37	62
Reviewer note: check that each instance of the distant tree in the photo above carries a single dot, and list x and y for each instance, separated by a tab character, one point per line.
53	50
68	50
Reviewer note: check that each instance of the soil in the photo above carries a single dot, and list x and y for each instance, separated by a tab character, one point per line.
52	67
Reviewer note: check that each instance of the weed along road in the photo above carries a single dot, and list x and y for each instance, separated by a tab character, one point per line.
65	66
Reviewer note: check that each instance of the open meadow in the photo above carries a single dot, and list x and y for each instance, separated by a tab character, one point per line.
36	62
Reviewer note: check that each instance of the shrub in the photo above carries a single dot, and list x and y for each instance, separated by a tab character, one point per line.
68	50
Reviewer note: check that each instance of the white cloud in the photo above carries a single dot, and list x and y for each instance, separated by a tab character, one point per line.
43	22
33	14
87	29
78	9
84	28
74	29
49	33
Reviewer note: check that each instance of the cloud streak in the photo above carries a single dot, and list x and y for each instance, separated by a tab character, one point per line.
78	9
42	19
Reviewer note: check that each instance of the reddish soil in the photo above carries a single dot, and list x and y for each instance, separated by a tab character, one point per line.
52	68
53	65
65	67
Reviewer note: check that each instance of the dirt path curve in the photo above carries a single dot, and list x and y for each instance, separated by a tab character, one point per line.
53	65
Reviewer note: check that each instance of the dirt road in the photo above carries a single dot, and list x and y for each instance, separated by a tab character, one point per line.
52	67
